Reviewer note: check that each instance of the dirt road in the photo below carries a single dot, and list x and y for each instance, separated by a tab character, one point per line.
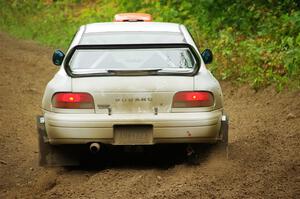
264	152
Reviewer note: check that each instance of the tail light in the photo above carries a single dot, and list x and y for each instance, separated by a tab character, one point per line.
189	99
73	101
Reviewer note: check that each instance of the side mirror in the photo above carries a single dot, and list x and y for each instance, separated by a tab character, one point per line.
207	56
58	57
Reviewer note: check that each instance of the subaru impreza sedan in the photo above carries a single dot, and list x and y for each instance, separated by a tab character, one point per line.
129	83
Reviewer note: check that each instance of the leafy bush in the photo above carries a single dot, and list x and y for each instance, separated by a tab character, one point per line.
254	41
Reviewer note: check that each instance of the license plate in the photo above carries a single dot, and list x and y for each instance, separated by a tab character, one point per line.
133	134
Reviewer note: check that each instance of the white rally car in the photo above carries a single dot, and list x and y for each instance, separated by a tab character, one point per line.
129	82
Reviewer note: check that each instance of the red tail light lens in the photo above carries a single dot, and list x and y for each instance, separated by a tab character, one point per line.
73	101
189	99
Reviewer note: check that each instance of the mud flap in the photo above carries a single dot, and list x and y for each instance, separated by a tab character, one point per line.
55	155
223	144
224	129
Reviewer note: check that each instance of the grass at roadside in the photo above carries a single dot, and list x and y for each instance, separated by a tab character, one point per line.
254	42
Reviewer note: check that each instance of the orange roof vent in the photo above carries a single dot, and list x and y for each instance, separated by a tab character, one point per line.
132	17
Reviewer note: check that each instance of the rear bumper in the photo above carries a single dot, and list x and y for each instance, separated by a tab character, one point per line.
167	127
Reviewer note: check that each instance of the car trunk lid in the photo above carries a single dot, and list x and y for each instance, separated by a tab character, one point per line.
132	94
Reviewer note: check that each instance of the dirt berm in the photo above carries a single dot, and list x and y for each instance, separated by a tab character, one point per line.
264	145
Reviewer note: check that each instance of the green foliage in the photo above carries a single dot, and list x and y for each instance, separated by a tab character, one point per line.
254	41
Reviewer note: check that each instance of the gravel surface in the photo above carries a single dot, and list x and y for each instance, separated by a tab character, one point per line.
264	145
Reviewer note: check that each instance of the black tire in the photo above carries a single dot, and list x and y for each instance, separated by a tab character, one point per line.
200	153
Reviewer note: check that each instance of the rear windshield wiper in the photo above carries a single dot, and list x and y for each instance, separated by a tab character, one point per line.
133	71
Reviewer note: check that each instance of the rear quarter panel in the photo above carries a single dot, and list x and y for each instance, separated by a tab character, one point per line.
207	82
61	82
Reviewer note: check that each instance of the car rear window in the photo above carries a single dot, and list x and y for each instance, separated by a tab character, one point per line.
163	60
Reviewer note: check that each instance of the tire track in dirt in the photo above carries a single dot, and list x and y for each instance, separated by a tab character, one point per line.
264	160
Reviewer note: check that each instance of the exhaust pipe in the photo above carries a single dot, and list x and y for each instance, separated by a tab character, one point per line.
95	147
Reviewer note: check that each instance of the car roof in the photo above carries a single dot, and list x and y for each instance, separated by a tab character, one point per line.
107	33
132	26
131	33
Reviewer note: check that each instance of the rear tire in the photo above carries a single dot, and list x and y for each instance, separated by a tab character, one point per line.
200	153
